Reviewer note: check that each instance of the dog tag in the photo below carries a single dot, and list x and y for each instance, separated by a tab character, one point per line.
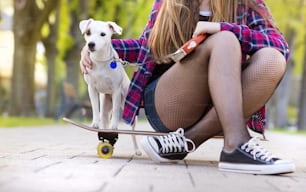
113	65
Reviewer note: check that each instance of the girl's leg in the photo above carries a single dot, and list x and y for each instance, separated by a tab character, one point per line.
240	153
183	94
259	80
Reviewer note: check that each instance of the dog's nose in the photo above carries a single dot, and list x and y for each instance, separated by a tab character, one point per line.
91	46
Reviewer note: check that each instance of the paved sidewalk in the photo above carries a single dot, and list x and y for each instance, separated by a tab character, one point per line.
62	158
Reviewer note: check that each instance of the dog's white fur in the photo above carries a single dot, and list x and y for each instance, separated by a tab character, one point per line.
107	84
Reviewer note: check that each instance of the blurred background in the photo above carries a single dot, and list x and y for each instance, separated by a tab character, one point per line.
40	45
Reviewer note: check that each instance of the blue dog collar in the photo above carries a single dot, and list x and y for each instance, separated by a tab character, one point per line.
113	65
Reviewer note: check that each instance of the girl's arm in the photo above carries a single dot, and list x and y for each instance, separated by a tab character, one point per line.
127	49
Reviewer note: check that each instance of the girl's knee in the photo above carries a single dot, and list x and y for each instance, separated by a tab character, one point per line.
227	35
224	40
272	61
273	58
227	39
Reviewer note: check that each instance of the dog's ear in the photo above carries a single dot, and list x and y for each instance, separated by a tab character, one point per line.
84	25
115	28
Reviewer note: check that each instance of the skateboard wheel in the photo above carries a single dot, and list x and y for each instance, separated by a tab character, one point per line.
105	150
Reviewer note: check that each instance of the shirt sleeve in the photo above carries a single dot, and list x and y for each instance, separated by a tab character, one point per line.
259	32
127	49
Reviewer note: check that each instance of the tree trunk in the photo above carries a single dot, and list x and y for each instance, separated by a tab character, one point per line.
22	86
282	93
51	54
72	58
302	101
72	61
22	92
302	106
28	20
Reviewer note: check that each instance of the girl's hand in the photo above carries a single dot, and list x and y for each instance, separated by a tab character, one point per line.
204	27
85	61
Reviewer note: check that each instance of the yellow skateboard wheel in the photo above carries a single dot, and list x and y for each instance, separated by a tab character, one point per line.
105	150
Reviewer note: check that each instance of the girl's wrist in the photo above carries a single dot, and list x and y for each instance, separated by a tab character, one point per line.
217	27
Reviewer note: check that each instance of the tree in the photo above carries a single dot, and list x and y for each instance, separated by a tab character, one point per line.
293	23
72	53
49	40
288	16
282	93
29	17
302	110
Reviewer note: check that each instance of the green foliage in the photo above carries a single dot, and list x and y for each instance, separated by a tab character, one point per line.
292	113
130	15
9	122
74	4
65	41
291	15
45	31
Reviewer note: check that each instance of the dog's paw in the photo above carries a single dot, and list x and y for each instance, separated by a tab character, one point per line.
95	125
114	126
138	152
104	125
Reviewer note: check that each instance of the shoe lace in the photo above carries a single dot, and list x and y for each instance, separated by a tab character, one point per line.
175	142
254	148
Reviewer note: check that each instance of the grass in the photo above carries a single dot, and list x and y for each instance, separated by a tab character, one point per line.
10	122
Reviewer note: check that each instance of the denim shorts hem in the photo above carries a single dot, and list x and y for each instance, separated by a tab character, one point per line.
150	110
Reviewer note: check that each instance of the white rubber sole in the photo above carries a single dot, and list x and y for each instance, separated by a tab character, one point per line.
146	145
280	167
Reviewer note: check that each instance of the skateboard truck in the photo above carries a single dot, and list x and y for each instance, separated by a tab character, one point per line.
108	137
105	148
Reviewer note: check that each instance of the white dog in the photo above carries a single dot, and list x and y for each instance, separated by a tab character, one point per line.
107	80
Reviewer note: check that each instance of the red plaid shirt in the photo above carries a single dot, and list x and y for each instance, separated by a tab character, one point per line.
253	31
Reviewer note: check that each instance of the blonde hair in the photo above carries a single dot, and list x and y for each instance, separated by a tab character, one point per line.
224	10
174	25
177	20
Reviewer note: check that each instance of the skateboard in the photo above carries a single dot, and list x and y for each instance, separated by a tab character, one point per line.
108	137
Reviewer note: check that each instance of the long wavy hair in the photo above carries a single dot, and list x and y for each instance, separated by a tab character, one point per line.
177	20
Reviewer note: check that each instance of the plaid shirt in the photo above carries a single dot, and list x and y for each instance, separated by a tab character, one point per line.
253	31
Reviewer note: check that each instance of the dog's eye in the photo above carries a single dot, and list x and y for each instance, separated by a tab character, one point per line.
88	32
103	34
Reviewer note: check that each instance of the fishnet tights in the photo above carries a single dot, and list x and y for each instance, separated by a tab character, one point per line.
184	98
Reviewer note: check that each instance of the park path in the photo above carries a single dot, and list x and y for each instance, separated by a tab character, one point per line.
62	158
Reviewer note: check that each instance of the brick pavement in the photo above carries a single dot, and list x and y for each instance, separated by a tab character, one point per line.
62	158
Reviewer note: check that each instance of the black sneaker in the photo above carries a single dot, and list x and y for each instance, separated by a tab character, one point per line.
252	158
170	148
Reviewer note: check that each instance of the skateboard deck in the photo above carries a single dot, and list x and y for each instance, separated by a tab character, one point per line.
119	131
108	137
